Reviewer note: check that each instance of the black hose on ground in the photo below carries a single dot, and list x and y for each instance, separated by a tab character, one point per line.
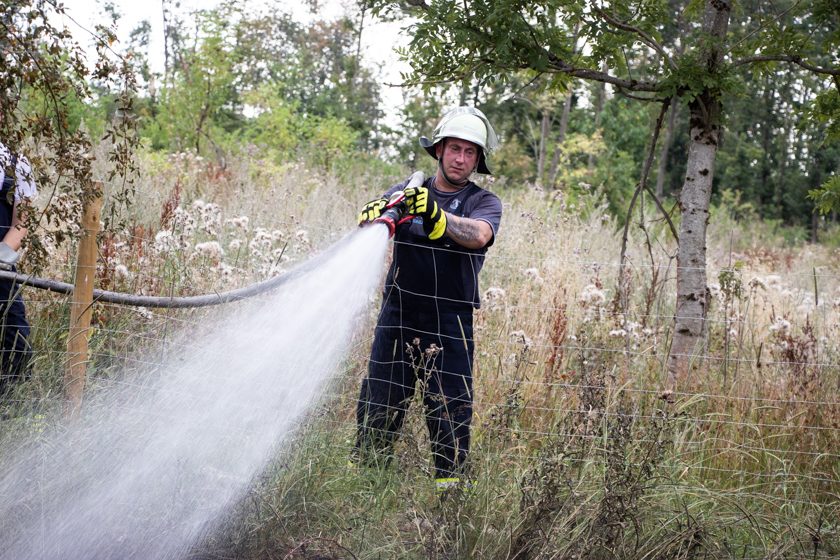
204	300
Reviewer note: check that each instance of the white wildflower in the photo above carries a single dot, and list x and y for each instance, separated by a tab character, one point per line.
756	283
533	274
523	338
279	253
781	326
210	215
618	333
183	221
165	242
592	295
121	272
144	312
235	244
226	272
494	297
209	249
261	242
240	223
302	235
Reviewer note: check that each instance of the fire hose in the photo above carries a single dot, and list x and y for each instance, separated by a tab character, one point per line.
204	300
393	215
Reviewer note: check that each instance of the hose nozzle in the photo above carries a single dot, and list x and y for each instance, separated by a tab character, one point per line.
396	210
394	213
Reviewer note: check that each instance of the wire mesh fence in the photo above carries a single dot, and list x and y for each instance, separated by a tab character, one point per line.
568	389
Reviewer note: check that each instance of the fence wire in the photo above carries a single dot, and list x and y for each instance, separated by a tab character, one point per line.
757	441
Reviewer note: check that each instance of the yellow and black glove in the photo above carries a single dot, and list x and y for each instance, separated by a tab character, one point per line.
372	210
420	203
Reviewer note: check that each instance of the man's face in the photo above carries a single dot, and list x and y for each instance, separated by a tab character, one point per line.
459	158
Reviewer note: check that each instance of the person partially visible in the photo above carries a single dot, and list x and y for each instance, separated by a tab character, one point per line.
18	185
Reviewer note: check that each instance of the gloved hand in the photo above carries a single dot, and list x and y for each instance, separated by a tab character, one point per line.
420	203
8	256
372	210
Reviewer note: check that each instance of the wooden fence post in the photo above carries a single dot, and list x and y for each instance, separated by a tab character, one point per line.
80	309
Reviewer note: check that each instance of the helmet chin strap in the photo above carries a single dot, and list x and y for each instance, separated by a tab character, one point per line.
448	180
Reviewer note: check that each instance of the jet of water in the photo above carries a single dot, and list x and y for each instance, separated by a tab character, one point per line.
149	469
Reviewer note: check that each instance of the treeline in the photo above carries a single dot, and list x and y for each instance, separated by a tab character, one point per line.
238	76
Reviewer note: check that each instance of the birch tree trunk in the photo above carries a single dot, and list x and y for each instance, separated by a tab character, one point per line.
694	205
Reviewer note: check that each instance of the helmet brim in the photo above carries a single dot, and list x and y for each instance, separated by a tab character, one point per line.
429	146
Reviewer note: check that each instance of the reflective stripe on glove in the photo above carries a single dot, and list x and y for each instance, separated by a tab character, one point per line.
420	203
372	210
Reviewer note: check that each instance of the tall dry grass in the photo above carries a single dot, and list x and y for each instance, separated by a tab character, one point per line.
575	453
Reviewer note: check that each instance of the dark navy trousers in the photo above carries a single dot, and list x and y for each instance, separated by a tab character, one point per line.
15	351
421	350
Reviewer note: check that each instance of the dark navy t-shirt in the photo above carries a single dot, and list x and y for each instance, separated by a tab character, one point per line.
440	274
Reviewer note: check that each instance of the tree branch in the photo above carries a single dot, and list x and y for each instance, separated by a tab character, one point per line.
623	93
664	213
623	288
563	67
793	59
646	38
556	64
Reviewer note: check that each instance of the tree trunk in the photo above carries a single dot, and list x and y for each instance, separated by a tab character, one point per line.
666	146
545	128
705	132
600	96
561	137
166	62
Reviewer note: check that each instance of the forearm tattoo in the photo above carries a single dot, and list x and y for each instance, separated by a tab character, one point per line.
463	230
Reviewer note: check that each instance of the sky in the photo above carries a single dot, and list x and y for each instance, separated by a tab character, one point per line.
378	38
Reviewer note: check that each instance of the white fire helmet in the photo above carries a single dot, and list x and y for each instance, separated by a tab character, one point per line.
465	123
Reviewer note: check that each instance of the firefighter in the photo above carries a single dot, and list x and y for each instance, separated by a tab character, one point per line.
18	185
424	335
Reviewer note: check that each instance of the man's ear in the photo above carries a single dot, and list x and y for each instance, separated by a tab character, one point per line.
439	148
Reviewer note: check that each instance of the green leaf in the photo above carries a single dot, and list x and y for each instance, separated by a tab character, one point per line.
827	197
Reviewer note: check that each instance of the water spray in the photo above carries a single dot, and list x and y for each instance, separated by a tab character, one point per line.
159	458
147	474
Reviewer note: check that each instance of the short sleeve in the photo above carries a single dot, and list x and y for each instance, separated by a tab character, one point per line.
488	208
25	181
